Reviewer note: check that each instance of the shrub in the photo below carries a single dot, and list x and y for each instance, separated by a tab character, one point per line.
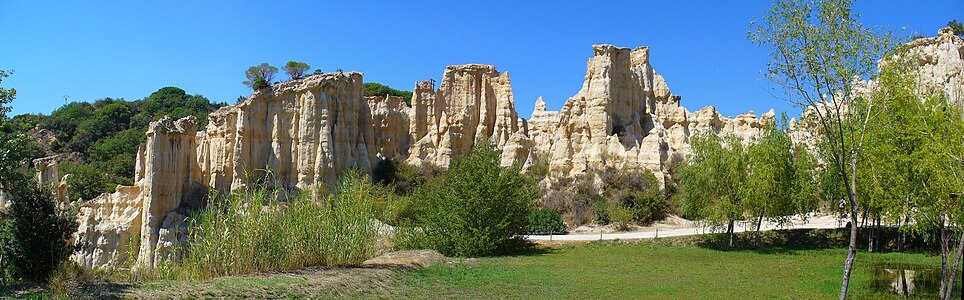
476	209
252	232
260	83
398	174
378	89
600	207
36	238
546	221
622	217
647	206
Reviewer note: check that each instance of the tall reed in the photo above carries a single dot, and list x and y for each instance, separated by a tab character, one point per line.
253	231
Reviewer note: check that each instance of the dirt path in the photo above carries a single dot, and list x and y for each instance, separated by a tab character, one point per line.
688	228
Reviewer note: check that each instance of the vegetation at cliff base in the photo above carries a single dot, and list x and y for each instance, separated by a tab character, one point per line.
477	208
265	230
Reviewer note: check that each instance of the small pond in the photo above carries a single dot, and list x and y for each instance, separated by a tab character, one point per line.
917	281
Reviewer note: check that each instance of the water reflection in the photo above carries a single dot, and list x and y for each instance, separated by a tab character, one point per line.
908	280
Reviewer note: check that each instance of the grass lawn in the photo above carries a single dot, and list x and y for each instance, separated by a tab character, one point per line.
665	269
655	271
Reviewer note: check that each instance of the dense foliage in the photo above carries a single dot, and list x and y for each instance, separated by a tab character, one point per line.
545	221
476	209
35	235
378	89
909	171
724	181
105	134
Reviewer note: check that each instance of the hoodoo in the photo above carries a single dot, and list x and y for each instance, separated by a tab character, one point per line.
309	131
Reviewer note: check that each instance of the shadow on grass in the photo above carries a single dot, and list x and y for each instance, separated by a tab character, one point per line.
90	290
523	247
791	240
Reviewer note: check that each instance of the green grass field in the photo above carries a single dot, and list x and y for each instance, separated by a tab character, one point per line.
653	271
665	269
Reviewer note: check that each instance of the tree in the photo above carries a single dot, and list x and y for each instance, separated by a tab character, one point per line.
817	48
780	181
296	69
957	27
14	150
260	76
913	159
713	182
317	72
37	235
476	209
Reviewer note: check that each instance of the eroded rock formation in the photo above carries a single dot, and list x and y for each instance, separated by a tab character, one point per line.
309	131
473	103
626	117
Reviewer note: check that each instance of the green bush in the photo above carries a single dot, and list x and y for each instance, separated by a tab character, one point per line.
476	209
393	172
86	182
601	209
36	237
253	232
260	83
546	221
647	206
622	217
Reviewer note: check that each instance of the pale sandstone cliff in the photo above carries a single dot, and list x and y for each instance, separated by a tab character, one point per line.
473	103
938	63
296	134
309	131
626	117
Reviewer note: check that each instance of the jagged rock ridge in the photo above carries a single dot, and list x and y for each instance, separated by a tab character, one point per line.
309	131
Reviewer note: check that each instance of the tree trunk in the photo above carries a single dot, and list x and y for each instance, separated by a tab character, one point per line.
729	235
759	222
900	234
852	249
870	235
944	250
903	282
949	291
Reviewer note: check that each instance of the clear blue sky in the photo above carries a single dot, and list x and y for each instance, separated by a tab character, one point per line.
89	50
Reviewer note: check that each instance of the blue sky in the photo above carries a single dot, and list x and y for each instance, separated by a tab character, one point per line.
89	50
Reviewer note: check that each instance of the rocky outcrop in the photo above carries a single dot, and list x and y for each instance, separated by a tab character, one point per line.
48	173
626	117
109	228
939	62
298	133
295	134
473	103
390	126
169	177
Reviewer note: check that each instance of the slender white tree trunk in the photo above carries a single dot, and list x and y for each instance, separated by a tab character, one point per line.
852	249
949	290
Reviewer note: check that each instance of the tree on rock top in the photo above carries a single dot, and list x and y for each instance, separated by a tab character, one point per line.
296	69
260	76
